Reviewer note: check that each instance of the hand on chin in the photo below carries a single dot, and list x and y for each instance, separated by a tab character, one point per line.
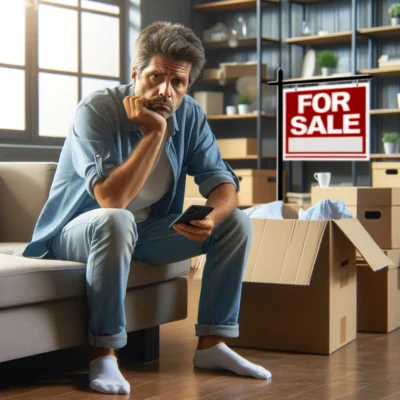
164	112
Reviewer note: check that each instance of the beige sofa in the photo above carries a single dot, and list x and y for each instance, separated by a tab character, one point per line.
43	303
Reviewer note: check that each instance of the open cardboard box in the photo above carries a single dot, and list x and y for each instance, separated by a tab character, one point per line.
299	285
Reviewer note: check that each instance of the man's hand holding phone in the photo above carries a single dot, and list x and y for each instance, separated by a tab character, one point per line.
137	110
198	231
195	223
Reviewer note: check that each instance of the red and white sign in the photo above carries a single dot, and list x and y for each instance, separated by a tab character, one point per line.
326	123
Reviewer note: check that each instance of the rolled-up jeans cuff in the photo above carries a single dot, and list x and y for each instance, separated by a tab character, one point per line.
228	331
116	341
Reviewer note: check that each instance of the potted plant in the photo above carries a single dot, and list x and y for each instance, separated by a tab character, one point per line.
328	61
390	142
243	105
394	13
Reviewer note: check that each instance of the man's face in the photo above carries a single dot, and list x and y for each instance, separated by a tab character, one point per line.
163	83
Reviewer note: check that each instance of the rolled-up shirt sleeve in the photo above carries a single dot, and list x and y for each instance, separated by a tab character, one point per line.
205	161
93	148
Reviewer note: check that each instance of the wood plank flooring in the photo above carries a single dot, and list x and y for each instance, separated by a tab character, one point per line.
367	369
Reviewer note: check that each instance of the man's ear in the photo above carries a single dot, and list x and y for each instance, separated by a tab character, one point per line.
134	75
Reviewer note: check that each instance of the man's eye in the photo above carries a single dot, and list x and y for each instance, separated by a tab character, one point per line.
155	76
178	82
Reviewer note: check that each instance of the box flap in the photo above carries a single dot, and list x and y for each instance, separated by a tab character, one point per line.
258	229
287	258
364	243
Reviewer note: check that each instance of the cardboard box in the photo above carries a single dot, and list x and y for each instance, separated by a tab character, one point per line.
212	103
238	70
386	174
237	148
211	73
257	186
378	210
299	289
378	296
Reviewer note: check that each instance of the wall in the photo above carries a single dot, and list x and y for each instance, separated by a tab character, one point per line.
143	13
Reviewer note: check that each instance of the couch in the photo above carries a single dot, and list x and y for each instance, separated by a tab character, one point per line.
43	304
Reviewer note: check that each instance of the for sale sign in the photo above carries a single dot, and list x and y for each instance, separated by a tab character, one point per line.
328	122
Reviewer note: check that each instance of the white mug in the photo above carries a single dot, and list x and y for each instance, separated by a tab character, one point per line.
231	110
323	178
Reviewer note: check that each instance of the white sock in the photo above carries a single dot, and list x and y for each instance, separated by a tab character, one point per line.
222	357
105	377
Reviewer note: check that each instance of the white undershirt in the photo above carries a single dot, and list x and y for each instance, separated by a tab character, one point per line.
157	183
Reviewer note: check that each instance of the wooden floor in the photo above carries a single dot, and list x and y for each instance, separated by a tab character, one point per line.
366	369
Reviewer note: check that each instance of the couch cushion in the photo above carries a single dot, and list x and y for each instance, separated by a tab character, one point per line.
24	188
26	280
12	249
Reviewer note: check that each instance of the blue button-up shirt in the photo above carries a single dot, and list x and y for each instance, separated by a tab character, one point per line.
102	137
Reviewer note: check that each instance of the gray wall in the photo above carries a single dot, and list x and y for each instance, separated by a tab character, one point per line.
142	13
179	11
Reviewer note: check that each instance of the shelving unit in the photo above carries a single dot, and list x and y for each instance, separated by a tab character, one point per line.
257	43
371	34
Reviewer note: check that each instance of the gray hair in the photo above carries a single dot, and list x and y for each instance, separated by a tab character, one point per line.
169	40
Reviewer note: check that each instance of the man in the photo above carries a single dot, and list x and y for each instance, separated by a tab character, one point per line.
119	185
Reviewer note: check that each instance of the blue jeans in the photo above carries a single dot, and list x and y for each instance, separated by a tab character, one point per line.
108	239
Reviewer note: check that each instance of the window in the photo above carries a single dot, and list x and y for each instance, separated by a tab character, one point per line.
52	54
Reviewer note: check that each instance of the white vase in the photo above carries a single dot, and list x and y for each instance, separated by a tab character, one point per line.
390	148
395	21
398	99
326	71
243	109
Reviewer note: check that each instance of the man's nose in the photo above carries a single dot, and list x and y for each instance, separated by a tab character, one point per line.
165	89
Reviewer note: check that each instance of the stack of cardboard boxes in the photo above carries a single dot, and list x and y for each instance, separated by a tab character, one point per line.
378	293
300	283
310	285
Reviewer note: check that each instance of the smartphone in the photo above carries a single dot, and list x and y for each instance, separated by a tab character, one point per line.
193	213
